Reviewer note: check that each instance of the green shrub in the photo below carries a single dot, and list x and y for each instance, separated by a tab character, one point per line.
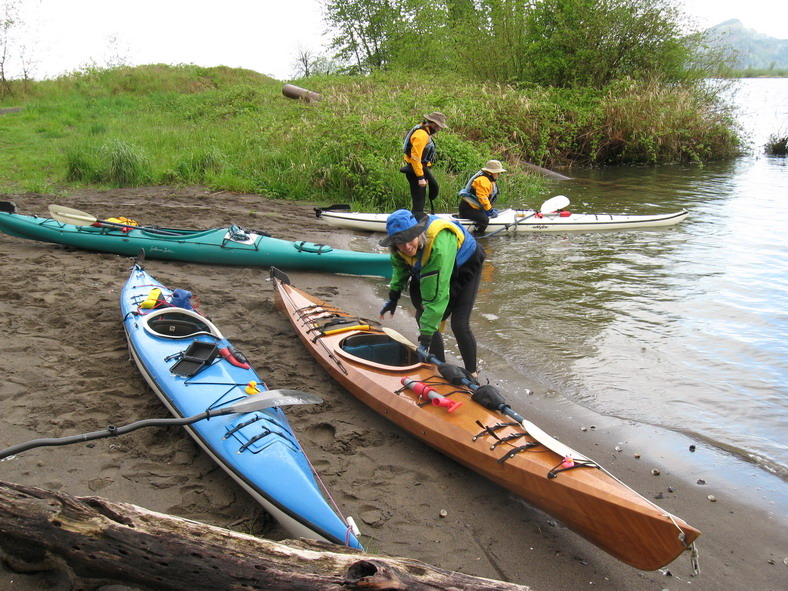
777	145
117	163
82	165
197	165
124	165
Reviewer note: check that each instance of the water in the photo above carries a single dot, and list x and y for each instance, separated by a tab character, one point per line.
684	328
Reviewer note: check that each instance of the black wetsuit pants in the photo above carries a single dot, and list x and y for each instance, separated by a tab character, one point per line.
479	217
418	194
462	297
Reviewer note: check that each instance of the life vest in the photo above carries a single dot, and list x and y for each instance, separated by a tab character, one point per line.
468	192
466	244
428	154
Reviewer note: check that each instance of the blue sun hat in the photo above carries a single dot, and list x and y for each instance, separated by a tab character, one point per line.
402	227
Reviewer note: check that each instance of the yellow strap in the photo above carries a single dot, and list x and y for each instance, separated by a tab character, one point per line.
347	328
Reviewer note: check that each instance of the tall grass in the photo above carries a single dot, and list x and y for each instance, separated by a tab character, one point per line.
234	130
777	145
649	123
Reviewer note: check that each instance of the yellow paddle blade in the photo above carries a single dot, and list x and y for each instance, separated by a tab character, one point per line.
68	215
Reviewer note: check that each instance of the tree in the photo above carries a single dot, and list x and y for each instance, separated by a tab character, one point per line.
562	43
590	43
305	58
362	30
9	18
496	44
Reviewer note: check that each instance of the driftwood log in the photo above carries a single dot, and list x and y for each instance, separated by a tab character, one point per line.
97	542
296	92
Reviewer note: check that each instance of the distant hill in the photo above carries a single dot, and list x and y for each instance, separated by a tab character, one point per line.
752	50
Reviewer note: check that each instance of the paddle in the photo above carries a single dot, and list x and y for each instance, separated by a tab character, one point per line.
549	206
75	217
255	402
541	436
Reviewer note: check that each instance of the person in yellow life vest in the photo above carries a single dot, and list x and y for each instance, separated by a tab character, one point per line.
477	197
419	150
443	263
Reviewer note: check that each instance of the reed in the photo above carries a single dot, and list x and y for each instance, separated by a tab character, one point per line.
777	145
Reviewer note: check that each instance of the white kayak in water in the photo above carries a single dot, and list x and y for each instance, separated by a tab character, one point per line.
549	218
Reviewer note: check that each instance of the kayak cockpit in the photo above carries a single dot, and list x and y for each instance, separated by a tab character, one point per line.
378	350
178	323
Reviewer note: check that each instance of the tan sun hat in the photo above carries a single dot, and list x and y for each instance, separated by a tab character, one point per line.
437	118
493	166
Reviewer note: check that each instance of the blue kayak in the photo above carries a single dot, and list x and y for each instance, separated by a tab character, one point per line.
193	368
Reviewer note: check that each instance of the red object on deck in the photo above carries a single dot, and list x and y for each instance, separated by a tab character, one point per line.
426	391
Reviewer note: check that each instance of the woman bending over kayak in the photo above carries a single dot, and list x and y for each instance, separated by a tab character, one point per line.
443	263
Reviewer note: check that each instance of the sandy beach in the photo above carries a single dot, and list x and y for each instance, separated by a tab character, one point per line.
66	370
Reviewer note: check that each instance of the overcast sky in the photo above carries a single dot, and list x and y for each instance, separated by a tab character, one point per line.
261	35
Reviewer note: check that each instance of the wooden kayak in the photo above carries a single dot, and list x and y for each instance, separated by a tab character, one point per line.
517	220
375	366
192	368
218	246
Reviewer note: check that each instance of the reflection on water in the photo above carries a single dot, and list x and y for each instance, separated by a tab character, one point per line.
685	327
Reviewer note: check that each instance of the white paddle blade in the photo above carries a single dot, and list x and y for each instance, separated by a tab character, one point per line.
553	444
269	398
554	204
67	215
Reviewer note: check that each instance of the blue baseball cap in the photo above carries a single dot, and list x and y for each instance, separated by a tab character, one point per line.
403	227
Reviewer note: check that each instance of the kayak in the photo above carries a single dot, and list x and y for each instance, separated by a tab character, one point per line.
220	246
517	220
451	414
192	367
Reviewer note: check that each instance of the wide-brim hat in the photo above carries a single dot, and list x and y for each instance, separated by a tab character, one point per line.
402	227
437	118
493	166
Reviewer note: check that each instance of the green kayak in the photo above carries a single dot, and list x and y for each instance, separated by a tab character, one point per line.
218	246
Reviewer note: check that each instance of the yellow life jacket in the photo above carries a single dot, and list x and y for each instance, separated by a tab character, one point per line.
436	225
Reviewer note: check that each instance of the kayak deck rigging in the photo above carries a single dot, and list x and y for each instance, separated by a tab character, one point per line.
180	323
376	349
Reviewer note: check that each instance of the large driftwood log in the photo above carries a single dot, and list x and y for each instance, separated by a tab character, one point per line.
99	542
296	92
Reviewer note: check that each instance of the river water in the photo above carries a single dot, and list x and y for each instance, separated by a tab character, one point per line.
684	328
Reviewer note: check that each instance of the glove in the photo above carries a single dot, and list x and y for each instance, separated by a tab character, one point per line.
424	342
492	212
391	303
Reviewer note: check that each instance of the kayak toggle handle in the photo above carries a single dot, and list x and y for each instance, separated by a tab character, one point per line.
234	357
428	392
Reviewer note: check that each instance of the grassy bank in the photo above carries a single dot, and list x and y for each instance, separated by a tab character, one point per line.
233	130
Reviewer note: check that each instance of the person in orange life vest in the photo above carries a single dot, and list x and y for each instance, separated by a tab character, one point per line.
477	198
443	263
419	150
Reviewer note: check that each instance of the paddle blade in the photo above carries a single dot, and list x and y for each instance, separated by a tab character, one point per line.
66	215
399	338
270	398
554	204
279	275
